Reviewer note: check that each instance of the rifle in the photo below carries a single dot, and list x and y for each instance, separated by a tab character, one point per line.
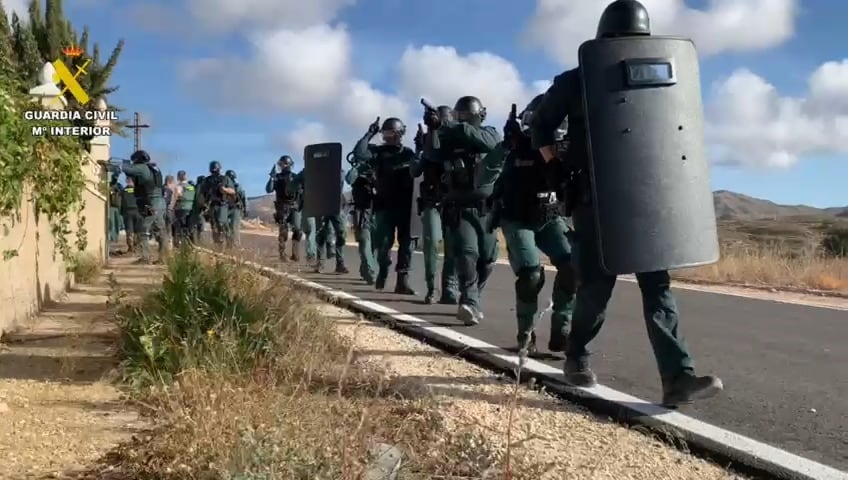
433	138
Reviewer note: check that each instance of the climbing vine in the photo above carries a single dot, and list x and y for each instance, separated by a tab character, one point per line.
47	169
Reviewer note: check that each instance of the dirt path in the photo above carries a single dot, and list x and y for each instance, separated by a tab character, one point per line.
58	410
567	438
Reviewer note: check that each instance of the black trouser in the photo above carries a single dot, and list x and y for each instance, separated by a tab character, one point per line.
389	222
183	227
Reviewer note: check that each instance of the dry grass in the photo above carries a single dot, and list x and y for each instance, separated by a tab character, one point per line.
85	267
775	269
297	407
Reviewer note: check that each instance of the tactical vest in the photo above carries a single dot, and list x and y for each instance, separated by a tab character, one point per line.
235	200
145	192
285	188
128	203
363	191
462	169
186	201
394	182
527	196
115	196
432	185
212	189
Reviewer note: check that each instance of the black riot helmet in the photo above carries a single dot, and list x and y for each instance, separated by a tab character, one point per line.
393	131
445	113
623	18
140	156
231	174
469	109
285	162
214	167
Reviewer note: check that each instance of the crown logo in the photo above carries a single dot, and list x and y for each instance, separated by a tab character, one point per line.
72	51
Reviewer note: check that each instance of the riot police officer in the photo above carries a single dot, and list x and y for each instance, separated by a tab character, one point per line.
530	210
116	193
393	199
236	210
196	210
288	187
216	187
149	184
429	202
363	183
461	145
622	19
131	216
185	194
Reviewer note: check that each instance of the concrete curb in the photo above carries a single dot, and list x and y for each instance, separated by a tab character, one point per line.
756	457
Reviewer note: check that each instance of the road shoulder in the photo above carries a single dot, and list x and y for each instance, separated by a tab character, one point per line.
59	410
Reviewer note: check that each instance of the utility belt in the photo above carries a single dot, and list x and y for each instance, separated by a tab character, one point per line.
427	202
452	210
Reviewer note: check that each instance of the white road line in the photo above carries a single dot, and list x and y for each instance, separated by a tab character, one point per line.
677	285
748	451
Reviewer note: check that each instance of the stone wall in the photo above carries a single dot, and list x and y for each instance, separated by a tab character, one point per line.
38	273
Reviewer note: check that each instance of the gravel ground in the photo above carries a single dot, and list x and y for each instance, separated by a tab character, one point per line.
572	442
58	411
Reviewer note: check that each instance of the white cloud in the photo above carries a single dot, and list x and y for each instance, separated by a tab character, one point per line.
750	123
305	133
16	6
360	104
291	70
441	75
222	15
560	26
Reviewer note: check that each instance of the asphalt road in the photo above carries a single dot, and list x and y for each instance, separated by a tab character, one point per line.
785	367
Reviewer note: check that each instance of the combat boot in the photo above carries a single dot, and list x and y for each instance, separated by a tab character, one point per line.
527	345
557	342
688	387
430	298
402	286
469	315
295	255
319	265
578	374
282	252
340	267
381	280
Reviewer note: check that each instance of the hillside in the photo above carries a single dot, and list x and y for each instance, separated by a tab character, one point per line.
736	206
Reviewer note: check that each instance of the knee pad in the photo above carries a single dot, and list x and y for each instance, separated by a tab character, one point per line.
529	283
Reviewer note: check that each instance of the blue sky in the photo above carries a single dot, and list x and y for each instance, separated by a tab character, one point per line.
190	127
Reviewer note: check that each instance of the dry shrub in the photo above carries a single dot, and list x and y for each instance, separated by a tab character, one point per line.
273	393
85	267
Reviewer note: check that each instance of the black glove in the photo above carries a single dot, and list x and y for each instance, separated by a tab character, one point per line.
432	120
512	130
374	128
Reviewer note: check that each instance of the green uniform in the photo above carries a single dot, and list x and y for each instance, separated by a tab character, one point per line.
288	187
363	186
461	147
326	228
392	205
183	213
528	194
131	218
214	203
115	198
429	207
147	180
236	207
676	367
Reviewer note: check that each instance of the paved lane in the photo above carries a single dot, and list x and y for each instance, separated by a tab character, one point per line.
785	366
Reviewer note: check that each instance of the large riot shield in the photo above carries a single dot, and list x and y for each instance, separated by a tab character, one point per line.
322	190
416	226
649	172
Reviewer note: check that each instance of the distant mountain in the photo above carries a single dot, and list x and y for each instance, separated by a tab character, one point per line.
728	205
736	206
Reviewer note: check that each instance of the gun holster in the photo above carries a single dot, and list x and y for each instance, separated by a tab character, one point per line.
450	214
